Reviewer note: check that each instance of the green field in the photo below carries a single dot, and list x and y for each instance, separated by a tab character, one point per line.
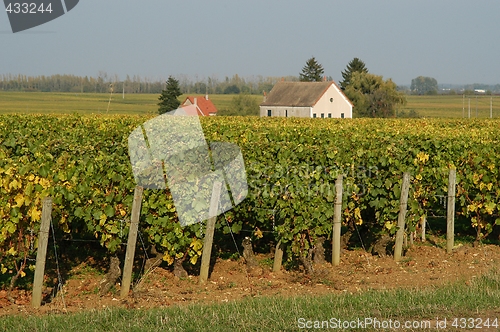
453	106
90	103
441	106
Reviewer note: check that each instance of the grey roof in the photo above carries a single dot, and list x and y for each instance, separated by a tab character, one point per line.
297	94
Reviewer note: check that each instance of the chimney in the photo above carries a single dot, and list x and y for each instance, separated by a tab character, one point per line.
196	101
265	95
206	96
324	78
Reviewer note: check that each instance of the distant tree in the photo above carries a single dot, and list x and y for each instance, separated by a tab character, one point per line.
232	90
312	71
424	86
372	96
168	98
242	104
356	65
200	87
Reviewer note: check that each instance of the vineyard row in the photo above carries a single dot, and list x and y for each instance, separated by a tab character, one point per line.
82	162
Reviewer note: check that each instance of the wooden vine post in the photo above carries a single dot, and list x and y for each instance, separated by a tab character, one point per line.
209	234
41	253
278	257
424	222
405	187
450	211
132	239
337	223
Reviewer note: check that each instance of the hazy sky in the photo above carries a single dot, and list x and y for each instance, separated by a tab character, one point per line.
453	41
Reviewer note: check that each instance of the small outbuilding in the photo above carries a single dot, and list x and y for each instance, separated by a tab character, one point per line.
202	106
307	100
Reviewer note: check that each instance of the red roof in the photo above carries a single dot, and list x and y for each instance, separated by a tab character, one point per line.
191	110
203	104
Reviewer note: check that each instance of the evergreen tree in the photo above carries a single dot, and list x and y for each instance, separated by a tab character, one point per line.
312	71
168	98
356	65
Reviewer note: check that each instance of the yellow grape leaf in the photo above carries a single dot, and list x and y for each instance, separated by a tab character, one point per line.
258	233
388	225
490	207
15	184
194	259
35	214
123	212
12	251
64	225
31	177
4	269
102	219
472	207
19	200
62	177
196	244
44	183
167	258
421	157
357	213
23	274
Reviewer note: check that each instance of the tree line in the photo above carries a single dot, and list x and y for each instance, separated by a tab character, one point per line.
195	85
136	84
78	84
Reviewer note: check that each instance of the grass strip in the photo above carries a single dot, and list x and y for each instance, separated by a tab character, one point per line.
282	314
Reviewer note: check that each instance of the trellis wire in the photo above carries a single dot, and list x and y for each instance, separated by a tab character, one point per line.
59	277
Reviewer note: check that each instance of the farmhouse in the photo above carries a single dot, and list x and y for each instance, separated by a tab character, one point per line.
306	100
202	106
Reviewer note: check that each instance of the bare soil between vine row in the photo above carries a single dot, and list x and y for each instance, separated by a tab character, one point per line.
424	265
